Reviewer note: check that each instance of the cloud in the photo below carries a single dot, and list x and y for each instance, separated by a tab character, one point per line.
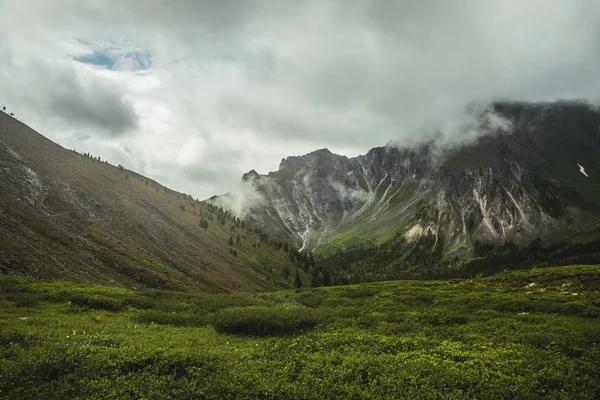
356	195
70	92
241	198
195	93
475	120
89	101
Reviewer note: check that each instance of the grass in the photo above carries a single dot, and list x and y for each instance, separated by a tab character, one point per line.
522	335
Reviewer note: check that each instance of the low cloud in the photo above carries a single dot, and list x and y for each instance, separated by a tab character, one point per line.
240	199
474	122
357	195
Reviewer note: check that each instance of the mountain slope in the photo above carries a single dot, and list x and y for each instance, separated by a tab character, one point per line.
506	186
66	215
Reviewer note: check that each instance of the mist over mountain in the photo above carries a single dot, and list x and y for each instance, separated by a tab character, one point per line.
510	174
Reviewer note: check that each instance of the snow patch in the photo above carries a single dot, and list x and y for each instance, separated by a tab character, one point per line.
582	170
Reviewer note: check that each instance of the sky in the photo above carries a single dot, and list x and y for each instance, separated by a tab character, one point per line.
196	93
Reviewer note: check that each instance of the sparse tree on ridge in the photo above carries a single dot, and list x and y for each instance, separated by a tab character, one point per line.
204	224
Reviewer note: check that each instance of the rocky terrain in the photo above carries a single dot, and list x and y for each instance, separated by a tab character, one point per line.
516	182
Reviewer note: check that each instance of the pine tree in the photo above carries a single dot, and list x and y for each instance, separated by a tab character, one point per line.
326	279
230	241
204	224
315	279
297	281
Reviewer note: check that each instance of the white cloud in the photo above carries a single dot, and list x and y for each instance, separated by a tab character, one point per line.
200	91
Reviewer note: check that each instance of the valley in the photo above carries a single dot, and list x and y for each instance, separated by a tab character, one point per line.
522	335
299	200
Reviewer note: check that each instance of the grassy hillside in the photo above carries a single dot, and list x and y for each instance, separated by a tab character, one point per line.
70	216
373	225
520	335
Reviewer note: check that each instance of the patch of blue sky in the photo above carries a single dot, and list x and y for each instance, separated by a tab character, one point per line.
114	56
97	59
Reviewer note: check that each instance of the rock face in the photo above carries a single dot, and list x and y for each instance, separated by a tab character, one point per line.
515	185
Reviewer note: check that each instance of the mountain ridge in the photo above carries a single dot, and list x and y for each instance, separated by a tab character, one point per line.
64	215
514	185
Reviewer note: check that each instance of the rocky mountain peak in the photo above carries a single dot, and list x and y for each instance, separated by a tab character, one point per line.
252	174
509	185
314	158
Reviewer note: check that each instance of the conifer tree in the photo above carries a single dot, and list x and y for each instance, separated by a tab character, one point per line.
297	281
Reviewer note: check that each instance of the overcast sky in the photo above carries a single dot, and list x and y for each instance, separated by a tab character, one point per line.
195	93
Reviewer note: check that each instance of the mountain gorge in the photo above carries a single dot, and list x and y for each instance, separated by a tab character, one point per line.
520	180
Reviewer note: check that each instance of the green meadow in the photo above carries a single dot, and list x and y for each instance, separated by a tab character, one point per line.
516	335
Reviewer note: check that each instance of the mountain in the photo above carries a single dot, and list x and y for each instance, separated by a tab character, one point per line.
70	216
519	181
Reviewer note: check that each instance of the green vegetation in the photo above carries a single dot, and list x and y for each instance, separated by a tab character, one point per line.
395	259
423	259
265	321
524	334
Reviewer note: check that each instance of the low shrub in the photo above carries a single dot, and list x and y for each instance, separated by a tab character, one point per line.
311	299
172	318
98	302
24	300
443	319
14	337
360	292
265	321
139	302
